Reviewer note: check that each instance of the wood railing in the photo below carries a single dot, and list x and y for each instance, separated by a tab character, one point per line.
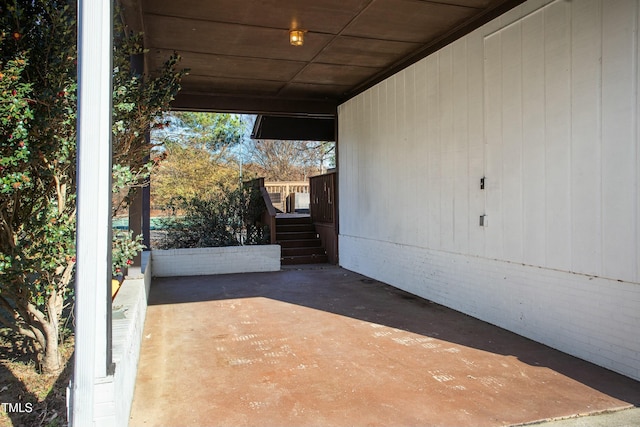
269	214
323	206
322	198
280	190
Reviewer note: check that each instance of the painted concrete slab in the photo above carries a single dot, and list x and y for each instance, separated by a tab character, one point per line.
329	347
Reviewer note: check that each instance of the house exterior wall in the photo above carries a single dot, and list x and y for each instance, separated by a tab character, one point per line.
542	102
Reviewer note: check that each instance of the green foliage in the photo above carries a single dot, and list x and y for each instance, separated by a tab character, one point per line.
15	116
38	158
229	218
139	102
125	180
190	172
124	248
37	191
197	160
213	132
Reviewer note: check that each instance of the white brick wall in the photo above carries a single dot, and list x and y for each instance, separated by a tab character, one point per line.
114	394
592	318
204	261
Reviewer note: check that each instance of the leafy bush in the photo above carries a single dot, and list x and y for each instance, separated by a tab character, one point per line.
124	248
38	106
226	218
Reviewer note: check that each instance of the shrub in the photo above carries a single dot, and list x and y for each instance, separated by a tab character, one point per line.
226	218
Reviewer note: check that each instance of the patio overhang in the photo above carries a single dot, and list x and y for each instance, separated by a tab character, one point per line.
294	128
240	58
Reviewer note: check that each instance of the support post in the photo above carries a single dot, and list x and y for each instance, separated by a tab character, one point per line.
92	359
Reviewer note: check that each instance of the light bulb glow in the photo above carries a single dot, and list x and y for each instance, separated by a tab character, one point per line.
296	37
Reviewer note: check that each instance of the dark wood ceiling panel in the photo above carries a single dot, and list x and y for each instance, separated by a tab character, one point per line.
331	74
407	20
220	65
313	91
328	16
228	39
364	52
479	4
241	60
220	85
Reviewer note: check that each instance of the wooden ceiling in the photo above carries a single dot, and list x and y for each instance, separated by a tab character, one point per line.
240	59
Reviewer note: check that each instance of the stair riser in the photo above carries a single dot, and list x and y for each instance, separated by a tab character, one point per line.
290	221
304	260
296	236
302	251
295	228
300	243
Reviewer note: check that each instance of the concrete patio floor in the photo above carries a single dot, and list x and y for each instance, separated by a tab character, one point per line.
329	347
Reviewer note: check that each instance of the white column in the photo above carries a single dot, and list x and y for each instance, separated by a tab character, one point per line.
93	269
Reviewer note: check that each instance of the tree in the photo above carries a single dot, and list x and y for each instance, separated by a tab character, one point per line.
196	154
38	149
139	102
37	204
290	160
190	171
213	131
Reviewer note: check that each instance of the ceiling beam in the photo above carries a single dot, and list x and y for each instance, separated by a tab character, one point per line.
294	128
255	105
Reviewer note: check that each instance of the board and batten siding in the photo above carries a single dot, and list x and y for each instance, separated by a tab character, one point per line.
543	102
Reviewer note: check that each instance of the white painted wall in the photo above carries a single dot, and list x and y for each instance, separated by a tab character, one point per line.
114	393
223	260
543	102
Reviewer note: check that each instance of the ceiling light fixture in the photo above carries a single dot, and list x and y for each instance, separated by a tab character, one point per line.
296	37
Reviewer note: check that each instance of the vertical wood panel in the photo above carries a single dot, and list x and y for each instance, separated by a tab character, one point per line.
398	154
619	117
379	106
461	147
366	189
410	159
637	140
435	164
475	87
446	148
422	153
345	181
533	141
558	134
512	143
586	136
493	137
